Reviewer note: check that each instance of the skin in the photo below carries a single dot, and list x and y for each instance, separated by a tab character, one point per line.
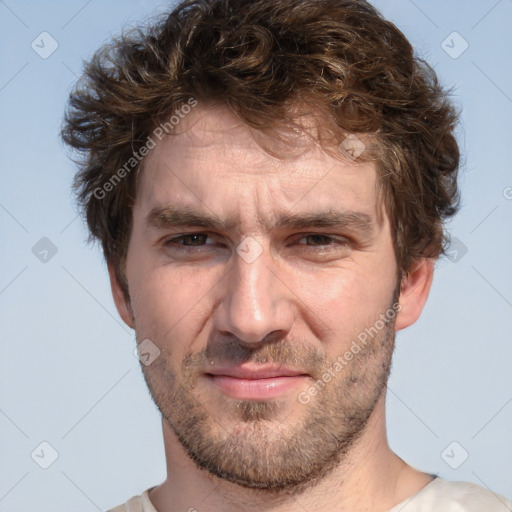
300	303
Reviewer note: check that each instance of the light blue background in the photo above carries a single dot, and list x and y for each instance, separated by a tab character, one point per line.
68	375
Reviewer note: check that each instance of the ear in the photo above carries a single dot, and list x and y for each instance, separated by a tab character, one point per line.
414	292
122	303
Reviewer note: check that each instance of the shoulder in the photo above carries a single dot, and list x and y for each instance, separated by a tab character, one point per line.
132	505
472	497
136	504
455	497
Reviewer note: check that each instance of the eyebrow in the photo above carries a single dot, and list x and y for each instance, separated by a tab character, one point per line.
172	216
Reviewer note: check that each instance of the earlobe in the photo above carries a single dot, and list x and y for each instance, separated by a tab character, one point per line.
123	305
414	292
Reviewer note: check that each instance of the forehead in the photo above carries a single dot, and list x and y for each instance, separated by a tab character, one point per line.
213	161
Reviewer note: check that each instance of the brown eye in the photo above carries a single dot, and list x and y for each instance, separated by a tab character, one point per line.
190	240
320	240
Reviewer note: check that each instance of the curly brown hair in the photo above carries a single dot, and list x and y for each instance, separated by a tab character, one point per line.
270	62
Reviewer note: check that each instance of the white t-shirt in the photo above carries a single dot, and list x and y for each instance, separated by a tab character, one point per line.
437	496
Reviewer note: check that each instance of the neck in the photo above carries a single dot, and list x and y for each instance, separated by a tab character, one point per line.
371	477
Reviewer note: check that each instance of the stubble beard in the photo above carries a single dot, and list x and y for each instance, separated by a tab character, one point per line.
256	447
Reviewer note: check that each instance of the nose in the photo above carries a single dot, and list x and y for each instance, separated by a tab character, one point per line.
256	304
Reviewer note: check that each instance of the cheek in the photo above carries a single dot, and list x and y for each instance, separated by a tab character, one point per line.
170	304
346	300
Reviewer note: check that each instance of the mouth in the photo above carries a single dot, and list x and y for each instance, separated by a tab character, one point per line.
247	382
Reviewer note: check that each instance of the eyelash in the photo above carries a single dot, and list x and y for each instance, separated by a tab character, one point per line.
343	241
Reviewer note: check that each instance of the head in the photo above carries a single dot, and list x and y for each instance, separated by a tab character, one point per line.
216	141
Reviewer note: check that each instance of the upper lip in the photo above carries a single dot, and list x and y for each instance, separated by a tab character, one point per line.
254	372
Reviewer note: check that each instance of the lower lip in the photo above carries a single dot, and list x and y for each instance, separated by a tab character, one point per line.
256	389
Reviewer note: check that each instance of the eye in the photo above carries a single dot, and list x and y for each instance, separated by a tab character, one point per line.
321	240
189	240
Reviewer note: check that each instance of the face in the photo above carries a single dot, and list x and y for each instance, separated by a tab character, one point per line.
269	287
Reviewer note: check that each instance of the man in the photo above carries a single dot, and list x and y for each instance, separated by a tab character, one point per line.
269	181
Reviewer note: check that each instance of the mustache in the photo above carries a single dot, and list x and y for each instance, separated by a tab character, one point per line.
235	352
